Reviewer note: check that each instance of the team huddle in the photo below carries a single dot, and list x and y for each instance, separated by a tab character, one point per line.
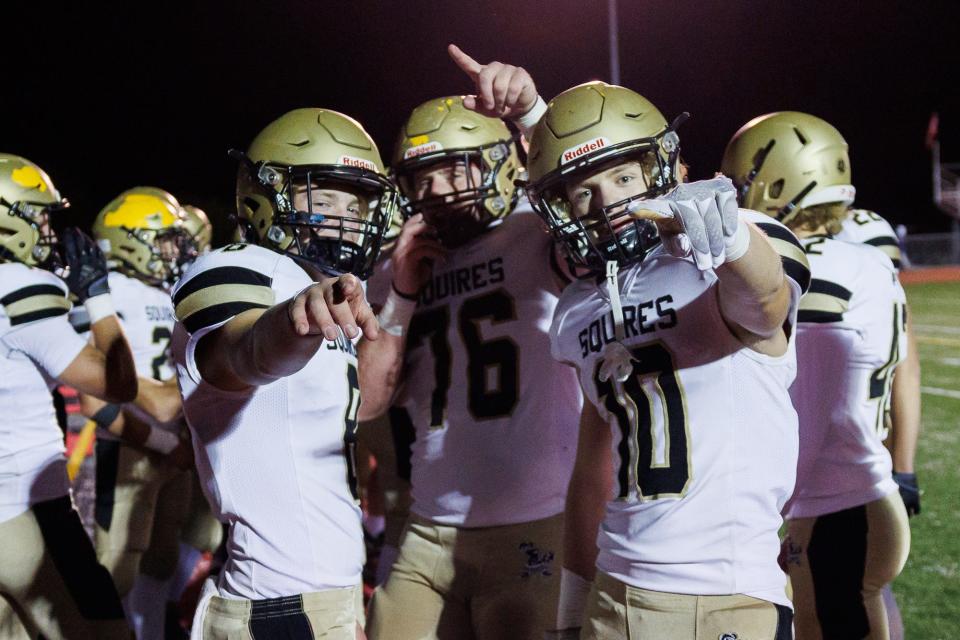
581	394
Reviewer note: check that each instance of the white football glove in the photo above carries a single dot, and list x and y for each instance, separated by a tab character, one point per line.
617	363
709	216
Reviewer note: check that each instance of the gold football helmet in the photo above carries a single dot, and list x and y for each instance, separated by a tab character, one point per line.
786	161
139	233
297	156
586	129
444	131
27	199
197	233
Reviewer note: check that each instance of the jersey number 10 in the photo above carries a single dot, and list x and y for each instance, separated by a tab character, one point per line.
654	380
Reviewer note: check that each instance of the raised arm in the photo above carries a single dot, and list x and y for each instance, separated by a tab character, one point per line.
702	220
412	260
105	370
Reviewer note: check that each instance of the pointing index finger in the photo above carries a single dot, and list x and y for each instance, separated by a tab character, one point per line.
469	66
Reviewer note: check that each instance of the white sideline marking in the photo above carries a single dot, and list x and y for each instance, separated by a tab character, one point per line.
950	362
937	328
946	393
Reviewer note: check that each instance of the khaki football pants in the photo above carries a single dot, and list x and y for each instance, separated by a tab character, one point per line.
839	564
50	581
488	583
201	530
618	611
141	506
332	615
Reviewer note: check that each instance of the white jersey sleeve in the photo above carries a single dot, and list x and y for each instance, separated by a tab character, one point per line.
850	338
862	226
704	443
220	285
479	383
275	461
36	345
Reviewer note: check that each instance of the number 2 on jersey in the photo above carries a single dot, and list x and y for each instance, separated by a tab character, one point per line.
653	446
159	335
499	355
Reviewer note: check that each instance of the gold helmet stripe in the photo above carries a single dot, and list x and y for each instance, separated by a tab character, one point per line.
138	211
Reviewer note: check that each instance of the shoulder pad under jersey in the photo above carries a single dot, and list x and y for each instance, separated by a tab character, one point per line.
223	283
867	227
28	294
794	260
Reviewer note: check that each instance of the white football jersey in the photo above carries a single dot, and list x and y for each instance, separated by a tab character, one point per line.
36	345
866	227
850	338
146	315
275	461
495	416
704	435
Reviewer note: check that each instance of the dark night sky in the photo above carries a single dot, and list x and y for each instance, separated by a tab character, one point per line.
107	98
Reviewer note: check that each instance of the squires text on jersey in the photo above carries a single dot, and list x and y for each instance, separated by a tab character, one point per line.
159	314
646	317
462	280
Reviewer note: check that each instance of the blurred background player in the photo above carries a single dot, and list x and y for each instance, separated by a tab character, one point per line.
142	489
201	534
688	441
49	573
494	416
271	377
197	234
848	535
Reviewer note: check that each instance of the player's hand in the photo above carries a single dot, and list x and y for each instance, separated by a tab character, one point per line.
416	251
909	491
331	303
700	219
502	90
573	633
86	276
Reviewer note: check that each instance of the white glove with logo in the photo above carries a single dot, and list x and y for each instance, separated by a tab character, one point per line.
708	222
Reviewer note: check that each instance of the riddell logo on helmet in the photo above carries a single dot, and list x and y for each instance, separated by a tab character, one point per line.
582	149
422	149
360	163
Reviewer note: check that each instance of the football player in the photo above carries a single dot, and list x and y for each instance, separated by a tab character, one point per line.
142	488
848	535
271	376
48	568
197	234
867	227
494	415
680	328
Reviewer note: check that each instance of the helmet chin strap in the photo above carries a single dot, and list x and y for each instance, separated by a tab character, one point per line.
617	361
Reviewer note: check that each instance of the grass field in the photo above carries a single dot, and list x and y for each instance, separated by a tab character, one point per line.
928	590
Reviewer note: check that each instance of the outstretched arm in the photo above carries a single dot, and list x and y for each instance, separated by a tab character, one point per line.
502	91
257	347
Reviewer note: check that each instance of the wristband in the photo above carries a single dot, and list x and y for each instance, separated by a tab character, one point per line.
396	313
161	441
106	415
529	120
573	599
738	244
99	307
